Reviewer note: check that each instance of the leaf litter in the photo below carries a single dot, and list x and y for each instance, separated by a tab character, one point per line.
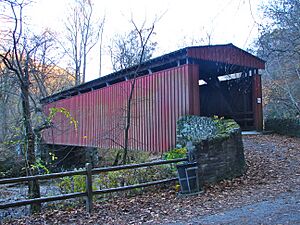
272	168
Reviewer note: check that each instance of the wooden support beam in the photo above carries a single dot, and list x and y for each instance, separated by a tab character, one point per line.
257	102
89	188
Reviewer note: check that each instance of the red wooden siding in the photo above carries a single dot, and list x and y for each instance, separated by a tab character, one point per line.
257	102
229	54
159	100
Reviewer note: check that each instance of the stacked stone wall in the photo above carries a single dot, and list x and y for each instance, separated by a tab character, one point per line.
217	147
221	158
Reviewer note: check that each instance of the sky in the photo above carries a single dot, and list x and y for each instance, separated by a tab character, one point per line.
181	22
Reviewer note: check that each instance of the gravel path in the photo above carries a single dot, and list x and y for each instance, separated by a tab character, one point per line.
272	179
282	209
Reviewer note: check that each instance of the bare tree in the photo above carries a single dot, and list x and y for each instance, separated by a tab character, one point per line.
8	93
279	45
83	33
101	46
12	59
24	63
47	76
125	50
141	45
202	37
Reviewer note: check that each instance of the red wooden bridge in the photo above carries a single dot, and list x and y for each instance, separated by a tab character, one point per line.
203	80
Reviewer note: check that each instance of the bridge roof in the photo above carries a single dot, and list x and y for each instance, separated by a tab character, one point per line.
213	60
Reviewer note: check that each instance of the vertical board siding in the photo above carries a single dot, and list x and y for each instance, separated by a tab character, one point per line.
159	100
230	55
257	107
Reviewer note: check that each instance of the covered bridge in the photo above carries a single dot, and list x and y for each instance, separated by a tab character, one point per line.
209	80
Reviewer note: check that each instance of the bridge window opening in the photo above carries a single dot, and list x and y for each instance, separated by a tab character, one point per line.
229	77
201	82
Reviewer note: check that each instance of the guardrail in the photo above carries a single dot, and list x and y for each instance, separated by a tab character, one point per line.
89	193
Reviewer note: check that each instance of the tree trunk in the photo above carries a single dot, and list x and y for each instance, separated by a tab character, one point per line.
84	64
128	121
4	123
33	186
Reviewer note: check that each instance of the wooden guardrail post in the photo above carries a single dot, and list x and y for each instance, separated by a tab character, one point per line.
88	172
89	188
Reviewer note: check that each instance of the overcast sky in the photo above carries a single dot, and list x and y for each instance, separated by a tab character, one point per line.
225	21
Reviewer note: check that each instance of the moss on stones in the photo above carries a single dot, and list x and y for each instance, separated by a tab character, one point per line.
197	129
218	146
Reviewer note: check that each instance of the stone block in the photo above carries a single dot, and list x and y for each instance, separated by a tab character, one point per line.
219	151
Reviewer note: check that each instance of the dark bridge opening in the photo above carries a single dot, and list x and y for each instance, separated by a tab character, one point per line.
231	97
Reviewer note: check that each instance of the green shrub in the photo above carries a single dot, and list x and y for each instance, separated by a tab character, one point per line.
72	184
65	185
286	126
134	176
108	156
117	178
225	126
175	153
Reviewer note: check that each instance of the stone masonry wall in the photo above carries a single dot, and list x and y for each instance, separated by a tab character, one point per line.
217	146
220	159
